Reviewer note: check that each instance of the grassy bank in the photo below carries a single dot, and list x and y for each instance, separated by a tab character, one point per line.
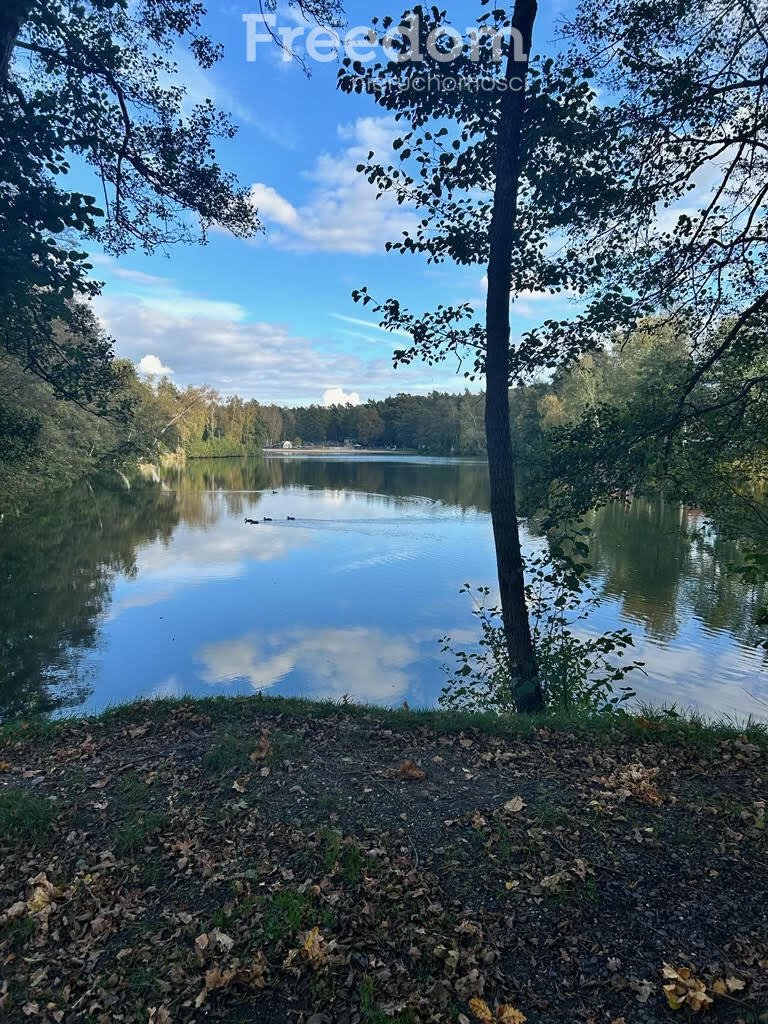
282	861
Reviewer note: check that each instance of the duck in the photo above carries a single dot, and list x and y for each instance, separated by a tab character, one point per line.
274	492
291	519
252	522
267	519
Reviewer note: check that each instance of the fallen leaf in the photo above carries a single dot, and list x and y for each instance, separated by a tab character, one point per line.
683	988
481	1010
514	805
643	989
409	770
263	748
507	1014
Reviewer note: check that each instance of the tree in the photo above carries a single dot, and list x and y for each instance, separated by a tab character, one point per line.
498	168
501	461
99	83
690	84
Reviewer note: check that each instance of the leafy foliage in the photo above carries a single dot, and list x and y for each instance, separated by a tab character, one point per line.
578	673
97	82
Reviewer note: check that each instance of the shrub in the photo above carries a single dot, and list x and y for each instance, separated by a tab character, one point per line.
578	673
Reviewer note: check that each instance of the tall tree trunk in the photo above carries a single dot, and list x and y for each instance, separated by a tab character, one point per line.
501	458
12	17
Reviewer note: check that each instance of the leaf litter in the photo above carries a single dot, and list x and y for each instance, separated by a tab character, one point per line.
290	870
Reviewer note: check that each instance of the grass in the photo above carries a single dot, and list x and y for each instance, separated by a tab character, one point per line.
370	1009
290	911
136	834
232	747
24	817
228	751
18	931
344	854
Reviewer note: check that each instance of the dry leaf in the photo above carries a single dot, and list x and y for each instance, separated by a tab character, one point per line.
643	990
481	1010
263	748
507	1014
409	770
514	805
683	988
315	947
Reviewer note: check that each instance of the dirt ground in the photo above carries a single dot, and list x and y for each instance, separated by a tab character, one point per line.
250	862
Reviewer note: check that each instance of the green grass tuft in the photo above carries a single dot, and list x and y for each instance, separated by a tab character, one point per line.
24	817
136	834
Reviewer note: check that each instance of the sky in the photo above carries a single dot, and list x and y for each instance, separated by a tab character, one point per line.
272	317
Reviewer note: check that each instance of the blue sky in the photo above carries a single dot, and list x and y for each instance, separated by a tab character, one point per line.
272	318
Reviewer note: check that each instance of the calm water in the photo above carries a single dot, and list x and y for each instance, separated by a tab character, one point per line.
109	594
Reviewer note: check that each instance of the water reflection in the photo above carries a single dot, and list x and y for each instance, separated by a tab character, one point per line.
110	594
57	570
663	565
333	662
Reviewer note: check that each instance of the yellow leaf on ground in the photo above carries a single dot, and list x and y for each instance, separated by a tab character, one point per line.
514	805
314	946
481	1010
263	748
507	1014
683	988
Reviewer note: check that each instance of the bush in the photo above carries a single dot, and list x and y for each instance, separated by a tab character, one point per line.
577	673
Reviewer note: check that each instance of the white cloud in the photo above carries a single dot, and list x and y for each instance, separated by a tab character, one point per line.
365	663
271	206
338	396
342	213
215	343
371	326
153	367
123	273
180	304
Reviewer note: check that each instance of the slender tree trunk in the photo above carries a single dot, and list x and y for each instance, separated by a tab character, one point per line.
501	458
12	17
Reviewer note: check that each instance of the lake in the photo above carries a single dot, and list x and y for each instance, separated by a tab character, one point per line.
109	594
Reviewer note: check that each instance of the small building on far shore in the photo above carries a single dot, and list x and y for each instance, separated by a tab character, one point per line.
287	444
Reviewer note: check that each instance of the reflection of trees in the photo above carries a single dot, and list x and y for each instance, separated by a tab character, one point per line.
230	479
720	598
653	557
642	553
58	567
460	484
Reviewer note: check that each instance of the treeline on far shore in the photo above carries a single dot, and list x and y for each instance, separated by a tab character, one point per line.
572	432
